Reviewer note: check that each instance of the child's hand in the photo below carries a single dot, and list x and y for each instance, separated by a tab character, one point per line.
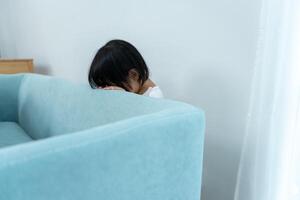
112	88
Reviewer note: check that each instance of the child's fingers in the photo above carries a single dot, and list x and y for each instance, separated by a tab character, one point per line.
113	88
109	88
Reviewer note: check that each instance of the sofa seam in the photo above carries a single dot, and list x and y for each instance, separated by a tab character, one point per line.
19	91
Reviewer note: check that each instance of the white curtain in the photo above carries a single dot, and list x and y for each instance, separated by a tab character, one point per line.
270	161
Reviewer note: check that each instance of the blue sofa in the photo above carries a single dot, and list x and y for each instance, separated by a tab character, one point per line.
65	141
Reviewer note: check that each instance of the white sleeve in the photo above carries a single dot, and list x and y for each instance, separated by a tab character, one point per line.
155	92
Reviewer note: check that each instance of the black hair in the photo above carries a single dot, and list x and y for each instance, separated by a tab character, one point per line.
112	63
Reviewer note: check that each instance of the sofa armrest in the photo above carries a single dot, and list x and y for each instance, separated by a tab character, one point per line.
9	90
154	157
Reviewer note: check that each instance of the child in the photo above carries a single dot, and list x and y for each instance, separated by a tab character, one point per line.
119	66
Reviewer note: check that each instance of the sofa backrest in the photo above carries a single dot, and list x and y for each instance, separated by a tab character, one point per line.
49	106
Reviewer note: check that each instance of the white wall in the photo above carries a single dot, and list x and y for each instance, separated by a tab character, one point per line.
199	51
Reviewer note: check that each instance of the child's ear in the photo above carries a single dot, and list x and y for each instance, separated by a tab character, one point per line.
133	74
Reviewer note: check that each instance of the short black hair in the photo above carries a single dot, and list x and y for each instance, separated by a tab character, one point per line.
113	62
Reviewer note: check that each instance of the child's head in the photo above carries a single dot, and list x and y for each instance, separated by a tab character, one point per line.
118	63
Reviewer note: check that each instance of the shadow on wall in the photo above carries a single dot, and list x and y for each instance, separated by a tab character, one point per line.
225	101
42	69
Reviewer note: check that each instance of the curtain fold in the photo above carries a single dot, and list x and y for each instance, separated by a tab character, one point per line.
270	154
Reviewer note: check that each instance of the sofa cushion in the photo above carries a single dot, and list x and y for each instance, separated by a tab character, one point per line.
11	133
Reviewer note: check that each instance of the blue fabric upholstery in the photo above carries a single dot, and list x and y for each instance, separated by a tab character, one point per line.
9	90
11	133
95	144
82	107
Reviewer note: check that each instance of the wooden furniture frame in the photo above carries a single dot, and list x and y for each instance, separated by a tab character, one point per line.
13	66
